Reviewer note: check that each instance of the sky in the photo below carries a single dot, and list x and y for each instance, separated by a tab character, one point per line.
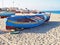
32	4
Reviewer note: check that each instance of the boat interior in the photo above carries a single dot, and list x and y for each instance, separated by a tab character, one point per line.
26	19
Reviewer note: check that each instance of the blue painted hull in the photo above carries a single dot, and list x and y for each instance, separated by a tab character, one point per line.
6	13
25	25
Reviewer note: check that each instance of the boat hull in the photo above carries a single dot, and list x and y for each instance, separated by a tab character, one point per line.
6	14
11	25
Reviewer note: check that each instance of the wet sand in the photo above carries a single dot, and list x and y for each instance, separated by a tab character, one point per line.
46	34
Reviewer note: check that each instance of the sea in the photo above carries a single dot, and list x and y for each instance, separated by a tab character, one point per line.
54	12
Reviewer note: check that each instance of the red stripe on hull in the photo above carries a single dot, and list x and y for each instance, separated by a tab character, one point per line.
3	16
9	27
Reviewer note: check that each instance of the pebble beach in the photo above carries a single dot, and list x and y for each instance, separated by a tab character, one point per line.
45	34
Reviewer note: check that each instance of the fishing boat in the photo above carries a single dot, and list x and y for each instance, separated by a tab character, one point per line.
5	14
26	21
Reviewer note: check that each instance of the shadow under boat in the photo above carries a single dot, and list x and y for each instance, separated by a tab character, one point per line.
43	28
46	27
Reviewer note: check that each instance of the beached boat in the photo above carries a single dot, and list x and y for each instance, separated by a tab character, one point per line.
5	14
21	22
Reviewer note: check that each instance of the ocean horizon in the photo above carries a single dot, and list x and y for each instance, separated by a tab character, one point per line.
54	12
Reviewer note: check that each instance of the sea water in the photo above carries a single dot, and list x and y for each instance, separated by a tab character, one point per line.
55	12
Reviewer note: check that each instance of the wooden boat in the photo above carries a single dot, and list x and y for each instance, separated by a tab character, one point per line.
6	14
21	22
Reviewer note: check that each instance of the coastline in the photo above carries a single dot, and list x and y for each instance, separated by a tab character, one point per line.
46	34
55	17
